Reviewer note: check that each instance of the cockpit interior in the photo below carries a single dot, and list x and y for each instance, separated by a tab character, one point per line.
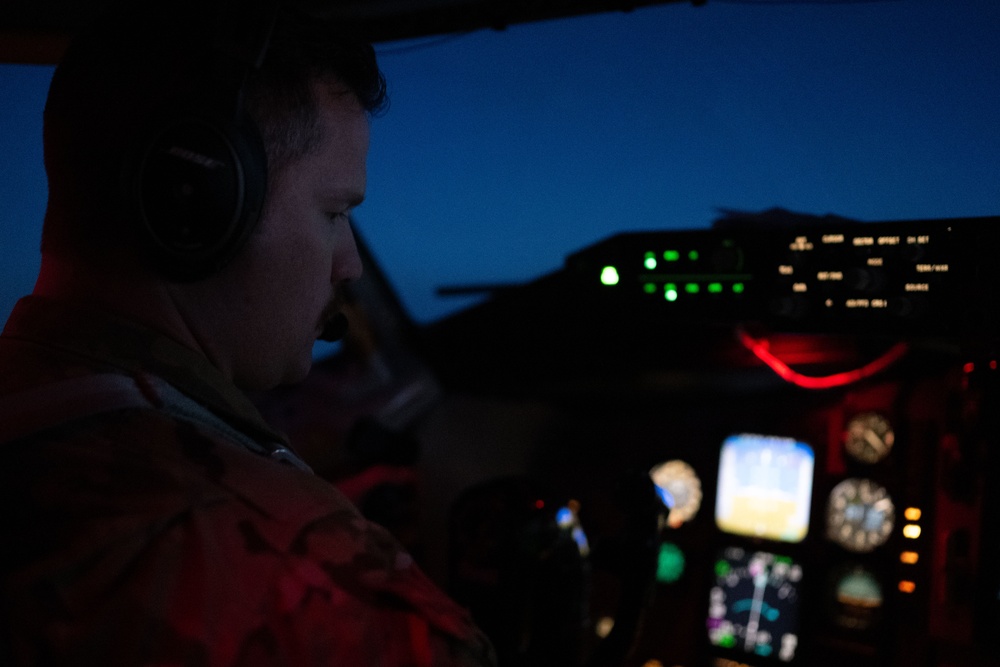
713	388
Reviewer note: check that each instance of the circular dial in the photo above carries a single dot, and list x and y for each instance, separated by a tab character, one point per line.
859	515
679	488
869	437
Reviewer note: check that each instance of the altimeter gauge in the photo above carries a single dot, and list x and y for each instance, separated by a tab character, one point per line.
860	515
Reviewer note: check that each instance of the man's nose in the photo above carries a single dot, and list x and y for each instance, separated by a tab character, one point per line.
347	264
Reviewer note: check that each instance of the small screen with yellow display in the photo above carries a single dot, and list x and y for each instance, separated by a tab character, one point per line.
765	487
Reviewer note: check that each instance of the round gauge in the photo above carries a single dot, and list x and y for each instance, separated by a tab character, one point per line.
857	598
679	488
859	515
869	437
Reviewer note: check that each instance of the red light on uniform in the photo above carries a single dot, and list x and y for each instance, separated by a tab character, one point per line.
969	367
539	504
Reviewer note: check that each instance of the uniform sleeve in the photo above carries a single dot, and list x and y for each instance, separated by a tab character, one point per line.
346	594
153	545
211	589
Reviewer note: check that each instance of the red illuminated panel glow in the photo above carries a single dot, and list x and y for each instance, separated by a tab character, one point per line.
760	349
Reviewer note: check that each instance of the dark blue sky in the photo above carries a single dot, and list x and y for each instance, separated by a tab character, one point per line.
503	152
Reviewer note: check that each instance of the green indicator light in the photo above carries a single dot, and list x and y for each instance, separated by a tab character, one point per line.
715	288
609	275
671	255
650	263
669	564
727	641
670	292
722	568
692	288
649	288
738	288
693	255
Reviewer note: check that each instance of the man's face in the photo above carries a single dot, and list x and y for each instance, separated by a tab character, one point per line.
286	283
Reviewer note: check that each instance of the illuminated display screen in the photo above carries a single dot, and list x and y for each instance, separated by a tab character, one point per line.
765	487
754	604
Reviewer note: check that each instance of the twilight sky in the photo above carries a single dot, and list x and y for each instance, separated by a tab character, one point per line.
504	151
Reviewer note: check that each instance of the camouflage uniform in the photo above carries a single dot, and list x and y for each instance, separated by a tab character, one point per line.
145	535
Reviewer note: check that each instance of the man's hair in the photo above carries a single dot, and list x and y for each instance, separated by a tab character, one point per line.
133	67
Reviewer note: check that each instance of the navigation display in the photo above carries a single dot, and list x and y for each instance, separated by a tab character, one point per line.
754	604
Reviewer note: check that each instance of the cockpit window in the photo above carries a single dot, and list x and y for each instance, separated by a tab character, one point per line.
504	151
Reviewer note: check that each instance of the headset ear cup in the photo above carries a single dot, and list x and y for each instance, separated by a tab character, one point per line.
198	188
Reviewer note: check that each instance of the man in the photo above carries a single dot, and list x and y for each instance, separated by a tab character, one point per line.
151	516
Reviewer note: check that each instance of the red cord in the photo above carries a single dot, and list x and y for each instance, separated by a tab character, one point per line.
785	372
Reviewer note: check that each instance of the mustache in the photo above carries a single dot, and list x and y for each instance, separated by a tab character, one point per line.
335	327
333	321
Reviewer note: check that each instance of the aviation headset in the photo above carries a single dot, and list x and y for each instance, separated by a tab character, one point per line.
198	181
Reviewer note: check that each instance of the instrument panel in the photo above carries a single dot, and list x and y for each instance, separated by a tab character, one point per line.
840	520
902	277
780	540
808	547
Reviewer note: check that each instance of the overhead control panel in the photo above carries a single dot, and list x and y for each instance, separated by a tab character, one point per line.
933	277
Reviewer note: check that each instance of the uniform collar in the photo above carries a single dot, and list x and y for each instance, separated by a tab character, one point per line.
109	343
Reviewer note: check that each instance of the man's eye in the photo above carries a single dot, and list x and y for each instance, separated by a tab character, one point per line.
341	216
